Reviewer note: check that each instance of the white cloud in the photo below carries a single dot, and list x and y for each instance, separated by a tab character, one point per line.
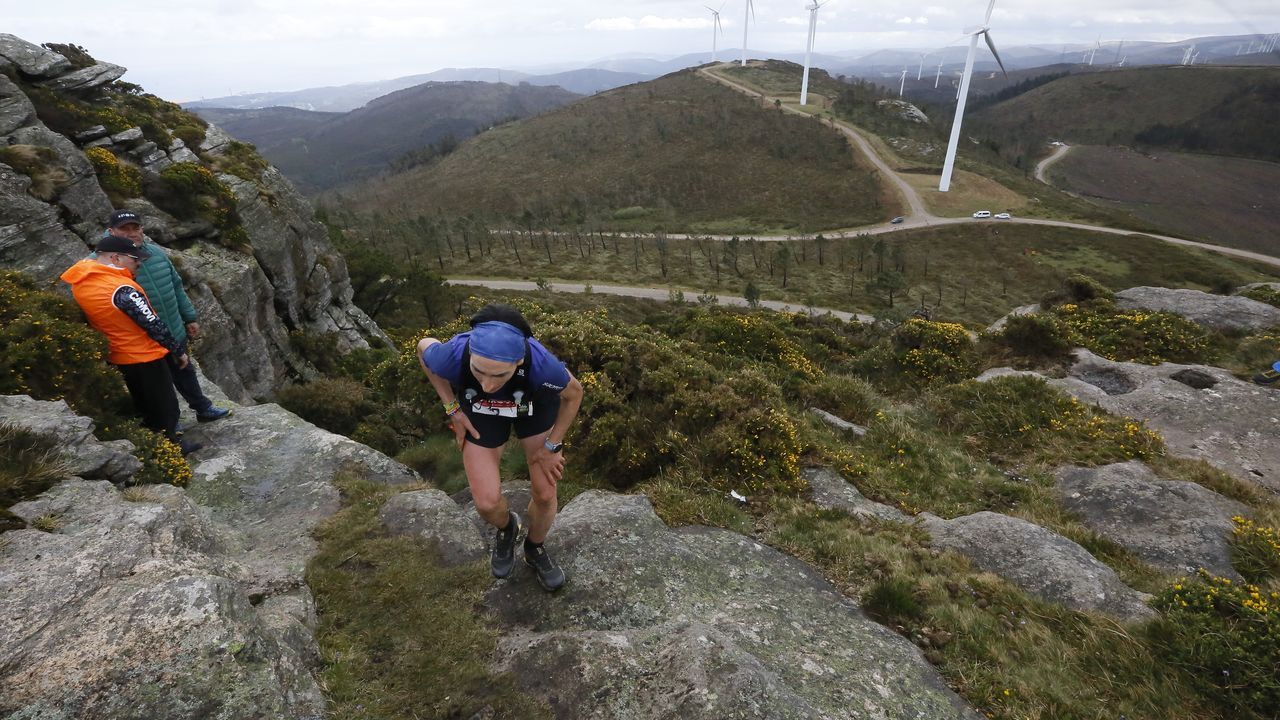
649	22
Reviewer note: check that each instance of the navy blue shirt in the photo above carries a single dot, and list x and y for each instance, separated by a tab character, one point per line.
546	373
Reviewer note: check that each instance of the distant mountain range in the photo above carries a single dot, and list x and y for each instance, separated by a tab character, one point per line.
319	150
883	66
344	98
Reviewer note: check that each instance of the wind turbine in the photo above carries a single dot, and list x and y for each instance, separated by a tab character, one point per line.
1186	56
716	29
903	87
748	15
813	29
939	77
920	70
984	30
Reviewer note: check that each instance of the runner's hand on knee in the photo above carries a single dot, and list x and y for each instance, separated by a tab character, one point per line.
462	426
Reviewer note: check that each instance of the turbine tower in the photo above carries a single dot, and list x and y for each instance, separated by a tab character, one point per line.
748	15
813	29
920	70
983	30
903	87
939	77
716	30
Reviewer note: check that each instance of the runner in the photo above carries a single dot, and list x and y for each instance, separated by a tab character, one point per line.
491	379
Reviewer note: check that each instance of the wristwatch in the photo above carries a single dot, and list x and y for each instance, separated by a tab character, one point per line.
554	447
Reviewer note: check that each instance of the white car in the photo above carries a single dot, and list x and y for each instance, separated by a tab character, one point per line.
1002	216
982	214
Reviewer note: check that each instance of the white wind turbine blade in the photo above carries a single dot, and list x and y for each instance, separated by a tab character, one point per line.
987	36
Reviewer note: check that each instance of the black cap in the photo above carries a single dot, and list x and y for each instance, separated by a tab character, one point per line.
123	217
113	244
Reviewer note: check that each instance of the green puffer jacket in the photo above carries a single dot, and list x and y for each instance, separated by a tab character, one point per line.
162	284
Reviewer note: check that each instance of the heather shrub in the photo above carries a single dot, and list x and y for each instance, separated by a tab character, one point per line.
1077	288
1034	337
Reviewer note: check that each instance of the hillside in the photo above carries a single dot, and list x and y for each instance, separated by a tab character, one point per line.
677	153
320	150
1217	110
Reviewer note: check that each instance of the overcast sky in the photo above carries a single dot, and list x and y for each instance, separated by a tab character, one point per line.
184	50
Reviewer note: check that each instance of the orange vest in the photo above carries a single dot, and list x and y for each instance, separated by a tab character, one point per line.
93	285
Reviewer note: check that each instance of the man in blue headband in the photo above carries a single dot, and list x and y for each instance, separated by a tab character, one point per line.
492	379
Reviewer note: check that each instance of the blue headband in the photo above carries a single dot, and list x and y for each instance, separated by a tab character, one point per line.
498	341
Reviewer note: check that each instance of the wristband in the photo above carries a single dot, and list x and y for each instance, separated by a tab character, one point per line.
451	408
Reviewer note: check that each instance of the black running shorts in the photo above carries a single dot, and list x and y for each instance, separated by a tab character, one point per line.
495	430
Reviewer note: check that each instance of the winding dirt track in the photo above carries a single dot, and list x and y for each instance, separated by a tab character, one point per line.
1043	165
920	217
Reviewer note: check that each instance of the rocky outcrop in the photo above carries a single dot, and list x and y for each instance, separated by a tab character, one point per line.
1039	561
1201	411
1176	526
436	518
1217	312
1022	311
904	110
158	602
829	490
293	281
81	453
130	610
699	623
32	59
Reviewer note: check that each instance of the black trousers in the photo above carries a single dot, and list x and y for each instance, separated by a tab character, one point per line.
188	385
151	387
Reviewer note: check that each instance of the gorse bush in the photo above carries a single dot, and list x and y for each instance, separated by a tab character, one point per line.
1020	418
1136	335
189	190
120	180
1226	638
162	460
51	354
1264	293
1256	550
921	352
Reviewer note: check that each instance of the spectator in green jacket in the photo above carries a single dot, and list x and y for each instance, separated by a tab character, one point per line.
163	286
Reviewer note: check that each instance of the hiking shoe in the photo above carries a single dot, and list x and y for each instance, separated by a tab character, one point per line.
550	576
503	557
213	413
1270	377
188	446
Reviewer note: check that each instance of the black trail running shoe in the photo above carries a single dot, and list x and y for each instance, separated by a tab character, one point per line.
503	557
550	576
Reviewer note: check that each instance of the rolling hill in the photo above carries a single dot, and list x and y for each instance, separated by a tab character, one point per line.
677	153
320	150
1217	110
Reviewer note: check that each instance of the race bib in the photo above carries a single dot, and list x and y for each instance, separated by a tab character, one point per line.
501	408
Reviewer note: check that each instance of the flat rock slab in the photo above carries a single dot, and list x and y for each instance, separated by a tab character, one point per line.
1201	411
1040	561
269	475
1217	312
699	623
32	59
1176	526
828	489
131	610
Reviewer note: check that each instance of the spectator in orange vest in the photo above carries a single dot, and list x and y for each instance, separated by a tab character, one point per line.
138	340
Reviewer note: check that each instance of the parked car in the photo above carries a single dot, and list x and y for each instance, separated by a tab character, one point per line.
982	214
1002	216
898	220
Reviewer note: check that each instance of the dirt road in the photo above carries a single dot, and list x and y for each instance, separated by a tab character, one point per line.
1044	164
